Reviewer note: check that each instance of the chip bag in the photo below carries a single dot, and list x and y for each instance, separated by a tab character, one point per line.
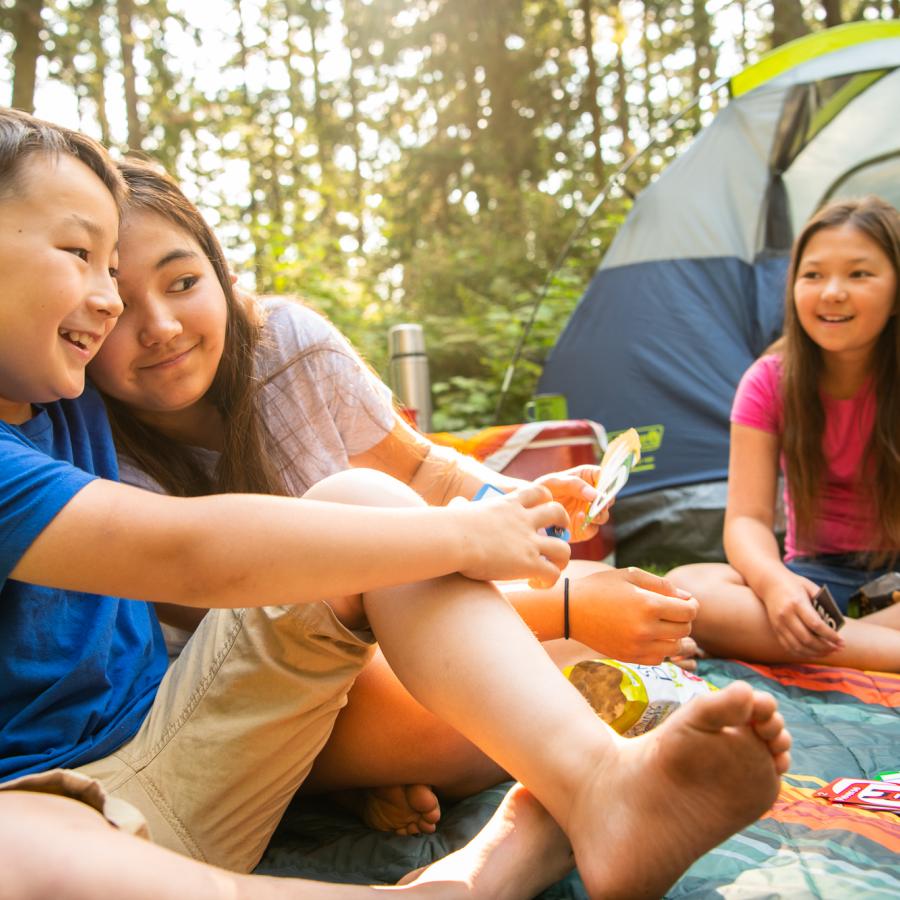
632	698
875	595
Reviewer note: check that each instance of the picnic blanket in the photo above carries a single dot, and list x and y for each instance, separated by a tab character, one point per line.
844	723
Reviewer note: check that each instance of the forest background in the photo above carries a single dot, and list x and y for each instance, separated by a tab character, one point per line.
421	161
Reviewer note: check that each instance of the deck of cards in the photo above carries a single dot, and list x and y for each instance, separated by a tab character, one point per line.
620	458
882	796
824	604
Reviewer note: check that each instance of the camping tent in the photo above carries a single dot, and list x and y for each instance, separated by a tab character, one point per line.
691	289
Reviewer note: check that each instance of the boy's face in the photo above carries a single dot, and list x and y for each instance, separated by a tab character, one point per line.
58	298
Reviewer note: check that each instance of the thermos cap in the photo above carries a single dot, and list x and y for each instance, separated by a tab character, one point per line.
406	340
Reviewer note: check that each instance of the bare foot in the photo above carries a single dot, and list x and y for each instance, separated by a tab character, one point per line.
518	853
673	794
688	655
768	724
404	808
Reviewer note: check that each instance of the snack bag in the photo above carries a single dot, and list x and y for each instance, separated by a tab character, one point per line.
875	595
632	698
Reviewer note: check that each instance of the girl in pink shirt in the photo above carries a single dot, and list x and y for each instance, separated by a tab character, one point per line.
822	410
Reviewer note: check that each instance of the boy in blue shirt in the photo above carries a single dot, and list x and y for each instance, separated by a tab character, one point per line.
204	757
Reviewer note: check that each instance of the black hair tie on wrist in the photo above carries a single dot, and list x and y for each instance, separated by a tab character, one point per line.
566	608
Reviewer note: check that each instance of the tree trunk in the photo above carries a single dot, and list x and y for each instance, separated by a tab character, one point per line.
125	12
743	7
787	22
592	88
650	116
703	71
623	111
323	143
503	117
359	190
98	81
251	156
295	92
832	13
26	29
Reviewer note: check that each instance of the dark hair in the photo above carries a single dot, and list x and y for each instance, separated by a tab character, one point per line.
22	136
804	416
246	463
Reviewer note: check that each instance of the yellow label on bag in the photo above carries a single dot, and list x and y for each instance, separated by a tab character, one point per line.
633	698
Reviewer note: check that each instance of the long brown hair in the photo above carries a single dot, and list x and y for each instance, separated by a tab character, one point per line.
804	416
246	464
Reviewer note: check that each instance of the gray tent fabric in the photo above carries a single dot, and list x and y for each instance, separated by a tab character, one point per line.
691	290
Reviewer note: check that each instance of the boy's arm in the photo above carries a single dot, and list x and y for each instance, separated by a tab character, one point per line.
244	550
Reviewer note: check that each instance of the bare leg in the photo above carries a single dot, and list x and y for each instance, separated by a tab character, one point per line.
512	832
464	653
385	738
889	617
732	622
80	857
390	760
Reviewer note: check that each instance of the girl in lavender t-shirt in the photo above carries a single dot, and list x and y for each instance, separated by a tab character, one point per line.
821	411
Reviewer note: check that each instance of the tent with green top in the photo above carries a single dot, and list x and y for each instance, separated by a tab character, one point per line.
691	290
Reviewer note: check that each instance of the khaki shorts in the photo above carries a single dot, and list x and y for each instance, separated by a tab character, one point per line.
235	727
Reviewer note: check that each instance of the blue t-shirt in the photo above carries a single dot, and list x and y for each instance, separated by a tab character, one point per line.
78	672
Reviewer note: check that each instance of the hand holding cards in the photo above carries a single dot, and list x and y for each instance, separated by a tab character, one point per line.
823	603
551	531
620	458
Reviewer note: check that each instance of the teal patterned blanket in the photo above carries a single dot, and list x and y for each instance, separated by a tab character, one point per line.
844	723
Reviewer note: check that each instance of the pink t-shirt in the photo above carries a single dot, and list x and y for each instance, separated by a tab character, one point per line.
846	521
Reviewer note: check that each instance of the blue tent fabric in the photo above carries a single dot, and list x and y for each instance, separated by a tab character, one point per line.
661	345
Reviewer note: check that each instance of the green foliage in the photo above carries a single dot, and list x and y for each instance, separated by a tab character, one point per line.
410	160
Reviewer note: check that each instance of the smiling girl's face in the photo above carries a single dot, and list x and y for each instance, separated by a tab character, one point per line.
162	356
845	291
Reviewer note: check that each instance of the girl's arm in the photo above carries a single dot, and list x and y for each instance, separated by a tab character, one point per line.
439	474
234	550
752	549
750	543
627	614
